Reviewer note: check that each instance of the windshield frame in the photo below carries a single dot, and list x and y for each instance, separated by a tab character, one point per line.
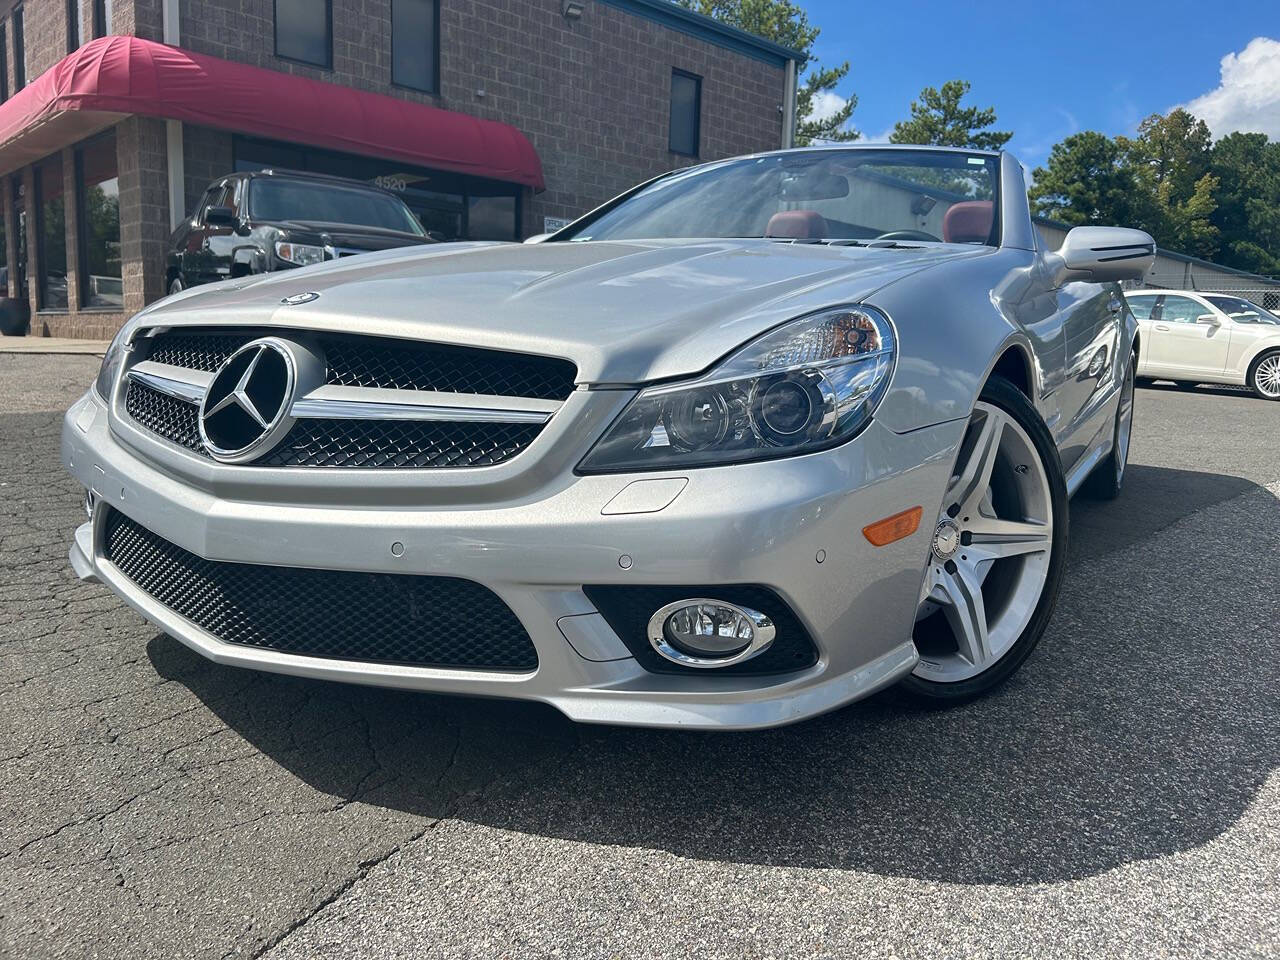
572	233
413	226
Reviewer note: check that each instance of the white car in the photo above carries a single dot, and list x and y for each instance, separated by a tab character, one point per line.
1195	338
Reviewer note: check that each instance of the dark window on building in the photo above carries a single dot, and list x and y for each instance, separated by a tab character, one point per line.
19	52
491	218
75	26
304	31
686	112
415	43
51	235
101	18
4	65
98	190
18	284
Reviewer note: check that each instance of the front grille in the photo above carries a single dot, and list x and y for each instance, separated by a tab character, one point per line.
175	420
628	609
370	617
399	443
368	444
390	364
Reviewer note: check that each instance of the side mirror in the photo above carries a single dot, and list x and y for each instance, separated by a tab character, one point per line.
220	217
1102	254
1209	320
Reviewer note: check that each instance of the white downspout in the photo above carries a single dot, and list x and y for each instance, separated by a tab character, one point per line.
789	108
173	130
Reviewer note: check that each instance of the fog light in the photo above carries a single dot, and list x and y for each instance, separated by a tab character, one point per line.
709	633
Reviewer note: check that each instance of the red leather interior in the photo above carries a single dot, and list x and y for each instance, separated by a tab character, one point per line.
797	225
968	222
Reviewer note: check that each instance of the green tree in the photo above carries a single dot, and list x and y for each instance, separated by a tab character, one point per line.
1086	180
938	119
783	22
1247	166
1170	163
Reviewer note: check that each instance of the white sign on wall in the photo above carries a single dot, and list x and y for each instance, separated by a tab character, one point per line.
552	224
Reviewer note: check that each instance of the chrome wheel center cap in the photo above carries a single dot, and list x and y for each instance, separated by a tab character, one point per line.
946	540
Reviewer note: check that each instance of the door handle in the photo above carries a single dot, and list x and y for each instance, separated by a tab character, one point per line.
1162	326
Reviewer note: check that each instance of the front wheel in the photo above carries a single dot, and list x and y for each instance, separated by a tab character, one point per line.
997	555
1264	377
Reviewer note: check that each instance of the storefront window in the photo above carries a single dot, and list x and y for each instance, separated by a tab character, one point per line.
19	51
450	206
491	218
51	232
413	44
304	31
99	198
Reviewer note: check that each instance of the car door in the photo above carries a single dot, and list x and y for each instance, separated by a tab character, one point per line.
1091	315
220	240
1182	344
1143	305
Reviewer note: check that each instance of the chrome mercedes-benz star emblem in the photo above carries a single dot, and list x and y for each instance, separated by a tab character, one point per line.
247	408
297	298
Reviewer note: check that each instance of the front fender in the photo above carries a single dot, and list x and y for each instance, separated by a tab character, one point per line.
954	321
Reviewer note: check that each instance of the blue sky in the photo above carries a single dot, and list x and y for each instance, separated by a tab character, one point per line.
1053	69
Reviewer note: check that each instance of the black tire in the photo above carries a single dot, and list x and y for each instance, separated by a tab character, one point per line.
175	286
1107	478
933	694
1252	379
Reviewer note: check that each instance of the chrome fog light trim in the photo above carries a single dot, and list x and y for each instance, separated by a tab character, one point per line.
742	632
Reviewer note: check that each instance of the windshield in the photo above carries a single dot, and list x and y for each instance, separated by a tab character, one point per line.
1242	311
815	195
279	199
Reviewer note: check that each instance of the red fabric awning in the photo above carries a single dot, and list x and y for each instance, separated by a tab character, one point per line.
113	77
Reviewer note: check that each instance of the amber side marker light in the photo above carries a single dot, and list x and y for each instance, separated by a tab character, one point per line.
900	525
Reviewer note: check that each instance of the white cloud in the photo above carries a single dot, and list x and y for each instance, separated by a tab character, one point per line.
826	104
1248	98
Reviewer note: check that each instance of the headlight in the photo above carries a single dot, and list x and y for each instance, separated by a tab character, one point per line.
111	363
303	254
810	384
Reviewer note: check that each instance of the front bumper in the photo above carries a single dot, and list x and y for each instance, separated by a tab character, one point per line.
763	523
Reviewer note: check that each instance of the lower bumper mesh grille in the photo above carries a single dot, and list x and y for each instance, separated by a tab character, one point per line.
370	617
346	443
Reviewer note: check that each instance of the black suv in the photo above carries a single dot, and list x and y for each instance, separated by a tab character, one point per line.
275	219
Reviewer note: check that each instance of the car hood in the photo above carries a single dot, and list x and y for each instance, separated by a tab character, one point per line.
624	312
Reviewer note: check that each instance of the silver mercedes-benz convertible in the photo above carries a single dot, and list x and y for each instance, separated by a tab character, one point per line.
747	443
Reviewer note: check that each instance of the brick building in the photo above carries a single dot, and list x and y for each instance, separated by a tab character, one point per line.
505	113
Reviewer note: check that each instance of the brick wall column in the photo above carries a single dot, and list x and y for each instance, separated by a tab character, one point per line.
141	146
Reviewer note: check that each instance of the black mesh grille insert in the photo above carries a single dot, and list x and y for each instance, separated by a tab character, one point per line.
175	420
628	609
369	444
370	617
399	443
360	361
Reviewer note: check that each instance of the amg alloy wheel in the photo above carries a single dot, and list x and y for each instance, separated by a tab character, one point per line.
997	553
1265	377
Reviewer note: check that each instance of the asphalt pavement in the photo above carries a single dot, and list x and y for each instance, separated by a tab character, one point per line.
1119	798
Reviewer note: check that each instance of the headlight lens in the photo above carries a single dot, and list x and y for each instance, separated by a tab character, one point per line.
112	360
303	254
810	384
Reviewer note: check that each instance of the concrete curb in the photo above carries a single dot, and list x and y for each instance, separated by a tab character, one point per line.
53	345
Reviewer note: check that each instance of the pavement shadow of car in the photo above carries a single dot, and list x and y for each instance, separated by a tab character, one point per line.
1144	725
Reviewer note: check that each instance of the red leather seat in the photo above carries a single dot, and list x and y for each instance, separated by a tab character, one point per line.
797	225
968	222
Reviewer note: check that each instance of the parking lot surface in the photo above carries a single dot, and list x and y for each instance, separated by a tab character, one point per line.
1120	797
